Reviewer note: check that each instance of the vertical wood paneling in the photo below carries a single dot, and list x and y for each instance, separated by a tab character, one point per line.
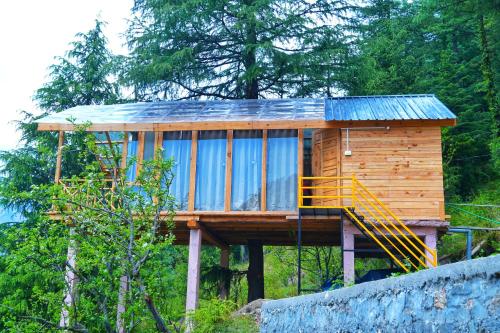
325	163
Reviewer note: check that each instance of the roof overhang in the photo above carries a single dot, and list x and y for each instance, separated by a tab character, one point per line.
337	112
247	125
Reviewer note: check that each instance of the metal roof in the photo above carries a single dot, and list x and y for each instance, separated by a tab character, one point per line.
390	107
405	107
194	111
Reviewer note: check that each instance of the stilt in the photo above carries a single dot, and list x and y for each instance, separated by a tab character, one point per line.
255	275
348	254
430	241
71	280
121	308
299	253
193	278
224	284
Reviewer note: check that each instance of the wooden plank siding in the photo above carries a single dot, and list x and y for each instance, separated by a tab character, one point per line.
401	166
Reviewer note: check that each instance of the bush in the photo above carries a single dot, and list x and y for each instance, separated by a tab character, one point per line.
214	316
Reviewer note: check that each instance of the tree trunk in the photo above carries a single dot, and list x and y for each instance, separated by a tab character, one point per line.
255	275
121	306
225	282
71	281
249	57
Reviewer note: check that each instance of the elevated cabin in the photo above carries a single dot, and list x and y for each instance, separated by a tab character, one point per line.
364	173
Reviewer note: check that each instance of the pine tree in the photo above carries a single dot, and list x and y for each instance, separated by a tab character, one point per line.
235	48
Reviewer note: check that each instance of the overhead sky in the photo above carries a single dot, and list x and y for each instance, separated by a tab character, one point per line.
32	33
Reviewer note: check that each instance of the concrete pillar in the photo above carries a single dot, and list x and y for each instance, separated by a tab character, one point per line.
71	280
431	242
348	255
121	307
193	278
224	284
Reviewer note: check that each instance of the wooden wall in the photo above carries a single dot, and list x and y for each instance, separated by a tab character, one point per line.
401	166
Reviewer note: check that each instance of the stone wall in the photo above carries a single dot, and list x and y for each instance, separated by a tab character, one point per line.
460	297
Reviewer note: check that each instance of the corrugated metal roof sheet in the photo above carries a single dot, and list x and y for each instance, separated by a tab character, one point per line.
390	107
403	107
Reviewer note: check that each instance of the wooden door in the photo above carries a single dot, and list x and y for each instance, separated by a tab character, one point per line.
326	163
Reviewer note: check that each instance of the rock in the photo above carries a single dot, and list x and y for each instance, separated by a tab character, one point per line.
252	309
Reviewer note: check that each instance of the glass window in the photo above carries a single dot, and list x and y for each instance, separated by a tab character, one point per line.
177	146
210	170
246	180
281	182
133	139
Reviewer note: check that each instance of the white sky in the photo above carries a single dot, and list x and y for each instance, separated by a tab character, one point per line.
32	33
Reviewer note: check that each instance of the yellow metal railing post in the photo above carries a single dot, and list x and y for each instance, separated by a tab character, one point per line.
299	191
353	191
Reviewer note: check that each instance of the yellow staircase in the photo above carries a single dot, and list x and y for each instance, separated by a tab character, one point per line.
374	219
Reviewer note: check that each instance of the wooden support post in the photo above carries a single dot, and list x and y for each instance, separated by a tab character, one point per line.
192	170
207	234
225	282
140	152
348	255
124	151
121	307
263	192
300	153
57	175
158	142
71	280
193	278
255	275
431	242
229	170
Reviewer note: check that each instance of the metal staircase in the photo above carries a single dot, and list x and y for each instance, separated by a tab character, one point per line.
367	213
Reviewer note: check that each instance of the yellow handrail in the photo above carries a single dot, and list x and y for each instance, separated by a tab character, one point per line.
392	234
398	220
386	238
378	242
362	197
396	228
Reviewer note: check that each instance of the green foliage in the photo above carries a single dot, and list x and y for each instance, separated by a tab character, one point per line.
83	77
452	246
446	48
233	49
33	253
236	48
214	316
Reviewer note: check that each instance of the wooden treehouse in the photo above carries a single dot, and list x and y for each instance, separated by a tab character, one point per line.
362	173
